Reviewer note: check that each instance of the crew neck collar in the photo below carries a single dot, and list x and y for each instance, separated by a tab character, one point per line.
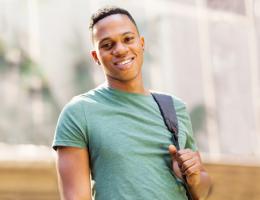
125	93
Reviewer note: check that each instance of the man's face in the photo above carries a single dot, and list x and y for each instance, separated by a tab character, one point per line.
118	48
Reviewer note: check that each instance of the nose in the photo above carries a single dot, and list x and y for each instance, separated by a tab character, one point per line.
120	50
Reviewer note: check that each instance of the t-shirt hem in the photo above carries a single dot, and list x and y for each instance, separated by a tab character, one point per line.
67	144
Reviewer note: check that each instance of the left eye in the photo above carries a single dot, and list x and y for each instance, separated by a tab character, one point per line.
128	39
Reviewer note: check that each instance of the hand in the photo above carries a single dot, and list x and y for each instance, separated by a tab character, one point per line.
186	162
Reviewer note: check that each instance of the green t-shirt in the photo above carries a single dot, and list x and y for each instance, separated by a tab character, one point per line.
127	142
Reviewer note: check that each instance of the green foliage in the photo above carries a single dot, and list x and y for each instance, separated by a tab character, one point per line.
198	117
29	68
82	68
83	76
3	63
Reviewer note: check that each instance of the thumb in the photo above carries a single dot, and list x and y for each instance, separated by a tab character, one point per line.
175	166
172	149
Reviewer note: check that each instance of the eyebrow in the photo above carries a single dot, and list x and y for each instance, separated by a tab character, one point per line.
108	38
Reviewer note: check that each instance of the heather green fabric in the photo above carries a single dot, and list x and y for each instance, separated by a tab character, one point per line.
127	141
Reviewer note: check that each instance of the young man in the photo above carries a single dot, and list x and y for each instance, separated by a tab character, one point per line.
116	131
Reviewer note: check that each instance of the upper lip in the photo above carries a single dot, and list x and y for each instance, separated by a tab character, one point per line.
116	62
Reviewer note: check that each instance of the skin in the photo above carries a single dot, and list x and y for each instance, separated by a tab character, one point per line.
188	163
116	39
118	49
73	173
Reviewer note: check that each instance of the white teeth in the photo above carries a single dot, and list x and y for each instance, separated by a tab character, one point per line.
124	62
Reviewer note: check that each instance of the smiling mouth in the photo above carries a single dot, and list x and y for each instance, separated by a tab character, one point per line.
125	64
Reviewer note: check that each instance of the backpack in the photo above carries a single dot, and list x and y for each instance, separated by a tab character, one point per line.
168	112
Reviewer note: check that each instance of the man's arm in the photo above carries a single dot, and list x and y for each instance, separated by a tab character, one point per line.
74	173
187	162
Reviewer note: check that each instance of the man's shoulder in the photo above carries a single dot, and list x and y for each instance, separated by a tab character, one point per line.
80	99
178	102
89	98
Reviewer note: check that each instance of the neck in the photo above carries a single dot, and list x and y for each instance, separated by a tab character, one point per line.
128	86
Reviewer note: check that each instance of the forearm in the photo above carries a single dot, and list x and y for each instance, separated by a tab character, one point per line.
201	189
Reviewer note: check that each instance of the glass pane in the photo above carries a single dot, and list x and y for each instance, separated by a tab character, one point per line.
236	6
191	2
232	75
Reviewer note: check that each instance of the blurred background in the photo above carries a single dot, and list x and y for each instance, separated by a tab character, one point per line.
204	51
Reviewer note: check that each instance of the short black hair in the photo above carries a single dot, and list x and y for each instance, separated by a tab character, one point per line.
107	11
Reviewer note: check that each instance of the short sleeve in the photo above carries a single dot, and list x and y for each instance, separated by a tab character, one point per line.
190	142
186	137
71	129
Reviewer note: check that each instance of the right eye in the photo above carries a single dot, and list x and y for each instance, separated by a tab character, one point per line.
107	46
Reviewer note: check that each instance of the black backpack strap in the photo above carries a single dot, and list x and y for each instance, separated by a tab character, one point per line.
168	112
167	109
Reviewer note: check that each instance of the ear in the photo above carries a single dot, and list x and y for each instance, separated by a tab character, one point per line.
95	57
142	41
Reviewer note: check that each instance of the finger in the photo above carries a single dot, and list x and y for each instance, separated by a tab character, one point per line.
187	164
193	170
184	151
183	155
172	150
187	156
176	170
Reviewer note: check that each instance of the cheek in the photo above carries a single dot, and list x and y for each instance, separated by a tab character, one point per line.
103	57
140	54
